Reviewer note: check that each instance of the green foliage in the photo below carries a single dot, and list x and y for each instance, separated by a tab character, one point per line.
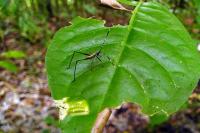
188	11
31	17
8	65
90	9
3	4
158	118
5	61
13	54
28	29
18	12
156	64
197	5
128	2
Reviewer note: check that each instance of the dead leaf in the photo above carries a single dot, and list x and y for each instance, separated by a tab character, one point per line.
114	4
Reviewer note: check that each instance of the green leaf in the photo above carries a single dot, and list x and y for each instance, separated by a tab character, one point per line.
8	65
90	8
128	2
28	26
158	118
3	4
197	5
13	54
156	64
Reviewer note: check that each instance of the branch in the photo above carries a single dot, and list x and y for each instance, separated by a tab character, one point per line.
101	121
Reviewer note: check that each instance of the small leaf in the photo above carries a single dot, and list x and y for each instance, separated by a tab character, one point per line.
13	54
129	2
90	9
8	65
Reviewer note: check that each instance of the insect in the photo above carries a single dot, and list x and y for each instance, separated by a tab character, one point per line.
91	56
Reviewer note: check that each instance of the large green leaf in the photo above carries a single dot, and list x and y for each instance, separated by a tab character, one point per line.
156	64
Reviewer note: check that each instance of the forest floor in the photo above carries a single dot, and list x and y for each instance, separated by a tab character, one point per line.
25	101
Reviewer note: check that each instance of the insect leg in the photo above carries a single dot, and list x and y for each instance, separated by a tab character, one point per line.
73	57
92	63
76	66
106	36
104	40
99	58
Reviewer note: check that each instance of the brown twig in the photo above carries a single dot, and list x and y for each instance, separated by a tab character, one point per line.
101	121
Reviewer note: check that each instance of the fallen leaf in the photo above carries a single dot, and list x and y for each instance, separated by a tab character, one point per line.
114	4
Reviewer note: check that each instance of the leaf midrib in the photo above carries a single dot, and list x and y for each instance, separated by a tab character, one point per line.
123	47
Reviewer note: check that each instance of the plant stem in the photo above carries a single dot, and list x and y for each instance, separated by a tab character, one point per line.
101	121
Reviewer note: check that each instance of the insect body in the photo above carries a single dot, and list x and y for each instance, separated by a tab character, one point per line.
91	56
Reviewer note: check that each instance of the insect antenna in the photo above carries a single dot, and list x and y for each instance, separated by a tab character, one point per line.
102	48
104	40
106	36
